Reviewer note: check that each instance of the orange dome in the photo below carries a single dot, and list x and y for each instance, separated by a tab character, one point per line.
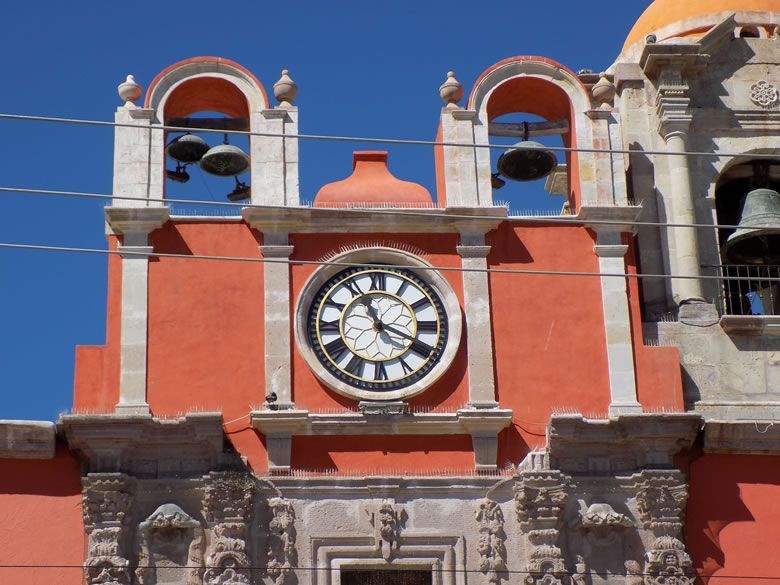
370	184
662	13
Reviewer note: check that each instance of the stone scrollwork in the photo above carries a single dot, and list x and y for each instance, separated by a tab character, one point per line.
491	547
668	563
764	94
602	524
107	499
540	497
282	554
634	572
228	509
171	534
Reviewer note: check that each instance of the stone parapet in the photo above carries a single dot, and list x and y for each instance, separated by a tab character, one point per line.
27	439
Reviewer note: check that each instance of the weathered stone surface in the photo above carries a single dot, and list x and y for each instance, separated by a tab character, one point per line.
22	439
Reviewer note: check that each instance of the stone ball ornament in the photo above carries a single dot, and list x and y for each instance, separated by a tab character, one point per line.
129	90
451	91
385	329
285	89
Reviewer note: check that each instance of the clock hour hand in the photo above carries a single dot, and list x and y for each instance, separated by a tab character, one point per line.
371	311
397	332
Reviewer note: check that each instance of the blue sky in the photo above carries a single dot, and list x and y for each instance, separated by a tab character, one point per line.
363	68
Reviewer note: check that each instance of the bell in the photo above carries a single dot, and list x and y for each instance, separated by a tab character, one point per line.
757	239
187	148
242	191
225	160
527	161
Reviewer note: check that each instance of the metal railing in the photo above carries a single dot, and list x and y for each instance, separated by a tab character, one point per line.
758	295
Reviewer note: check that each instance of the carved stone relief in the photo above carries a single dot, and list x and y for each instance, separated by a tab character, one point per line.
491	547
764	94
169	546
388	520
107	499
282	554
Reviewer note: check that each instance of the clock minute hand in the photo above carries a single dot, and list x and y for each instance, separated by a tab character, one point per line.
371	311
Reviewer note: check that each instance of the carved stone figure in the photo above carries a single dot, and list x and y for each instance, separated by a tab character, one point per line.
668	563
661	499
282	555
387	521
107	498
580	575
634	573
491	548
602	525
169	534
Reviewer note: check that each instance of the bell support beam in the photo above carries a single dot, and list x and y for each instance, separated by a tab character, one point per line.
135	225
276	295
611	252
479	335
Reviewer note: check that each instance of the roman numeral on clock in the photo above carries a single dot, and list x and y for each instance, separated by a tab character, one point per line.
423	326
336	349
380	372
329	327
421	348
420	304
355	365
352	287
334	304
405	367
378	281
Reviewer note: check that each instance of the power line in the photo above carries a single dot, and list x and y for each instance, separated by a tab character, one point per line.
373	140
544	219
68	249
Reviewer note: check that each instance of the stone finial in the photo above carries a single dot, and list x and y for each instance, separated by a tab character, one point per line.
451	91
129	90
603	91
285	89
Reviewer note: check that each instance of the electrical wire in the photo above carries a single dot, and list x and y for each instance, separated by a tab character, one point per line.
305	568
543	219
152	254
373	140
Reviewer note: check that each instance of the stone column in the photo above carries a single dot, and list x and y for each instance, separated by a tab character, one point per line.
479	335
617	323
672	104
460	164
135	225
138	158
276	293
275	158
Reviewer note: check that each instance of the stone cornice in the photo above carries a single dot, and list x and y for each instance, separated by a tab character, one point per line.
466	421
618	214
136	220
657	57
27	439
146	446
401	220
388	484
620	444
746	437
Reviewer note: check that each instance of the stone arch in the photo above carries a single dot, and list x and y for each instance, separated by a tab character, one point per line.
544	87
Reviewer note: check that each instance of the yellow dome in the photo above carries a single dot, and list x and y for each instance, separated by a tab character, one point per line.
662	13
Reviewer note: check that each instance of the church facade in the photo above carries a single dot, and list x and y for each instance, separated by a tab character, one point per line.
387	385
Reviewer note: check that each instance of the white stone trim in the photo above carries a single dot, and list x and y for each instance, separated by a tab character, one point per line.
27	439
444	555
388	256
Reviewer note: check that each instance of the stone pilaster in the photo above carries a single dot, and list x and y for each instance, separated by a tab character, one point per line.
134	224
107	500
462	183
479	335
617	323
276	293
138	152
275	158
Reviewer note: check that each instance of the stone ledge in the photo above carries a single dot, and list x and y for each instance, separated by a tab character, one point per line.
145	446
27	439
125	220
742	437
622	443
300	422
355	220
755	324
616	213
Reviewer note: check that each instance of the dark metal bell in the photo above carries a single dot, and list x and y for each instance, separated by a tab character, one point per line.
757	240
527	161
225	160
187	148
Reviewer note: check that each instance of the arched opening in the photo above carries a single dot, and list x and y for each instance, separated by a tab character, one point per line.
747	195
749	32
211	164
527	108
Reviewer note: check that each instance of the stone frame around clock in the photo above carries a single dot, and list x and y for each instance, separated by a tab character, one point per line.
398	258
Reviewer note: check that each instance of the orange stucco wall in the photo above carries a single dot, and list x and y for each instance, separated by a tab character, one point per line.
40	521
205	344
733	518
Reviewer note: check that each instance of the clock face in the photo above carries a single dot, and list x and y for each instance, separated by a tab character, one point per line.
377	329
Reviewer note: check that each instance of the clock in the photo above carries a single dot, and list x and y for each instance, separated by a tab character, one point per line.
379	333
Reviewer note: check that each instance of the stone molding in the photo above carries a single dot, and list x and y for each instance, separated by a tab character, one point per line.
482	424
282	553
746	437
752	324
136	220
27	439
402	220
616	213
491	547
146	446
473	251
622	443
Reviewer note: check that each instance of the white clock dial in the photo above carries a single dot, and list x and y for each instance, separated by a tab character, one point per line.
377	329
